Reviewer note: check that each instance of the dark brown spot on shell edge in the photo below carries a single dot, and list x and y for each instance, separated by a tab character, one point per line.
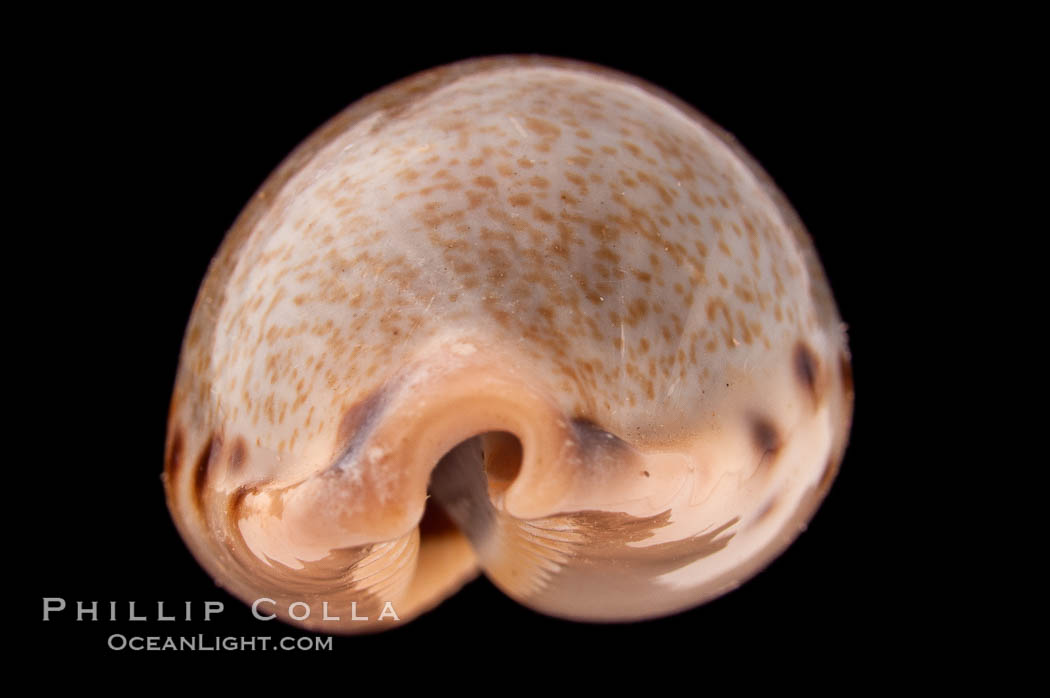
806	368
357	422
200	472
174	460
765	435
846	371
591	437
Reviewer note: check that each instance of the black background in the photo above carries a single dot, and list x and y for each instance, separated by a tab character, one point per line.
147	149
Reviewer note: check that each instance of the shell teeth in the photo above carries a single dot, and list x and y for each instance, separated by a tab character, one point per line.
515	554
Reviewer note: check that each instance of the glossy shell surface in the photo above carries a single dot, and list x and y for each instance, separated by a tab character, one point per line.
519	315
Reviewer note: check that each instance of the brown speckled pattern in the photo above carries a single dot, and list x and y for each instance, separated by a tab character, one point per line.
535	244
